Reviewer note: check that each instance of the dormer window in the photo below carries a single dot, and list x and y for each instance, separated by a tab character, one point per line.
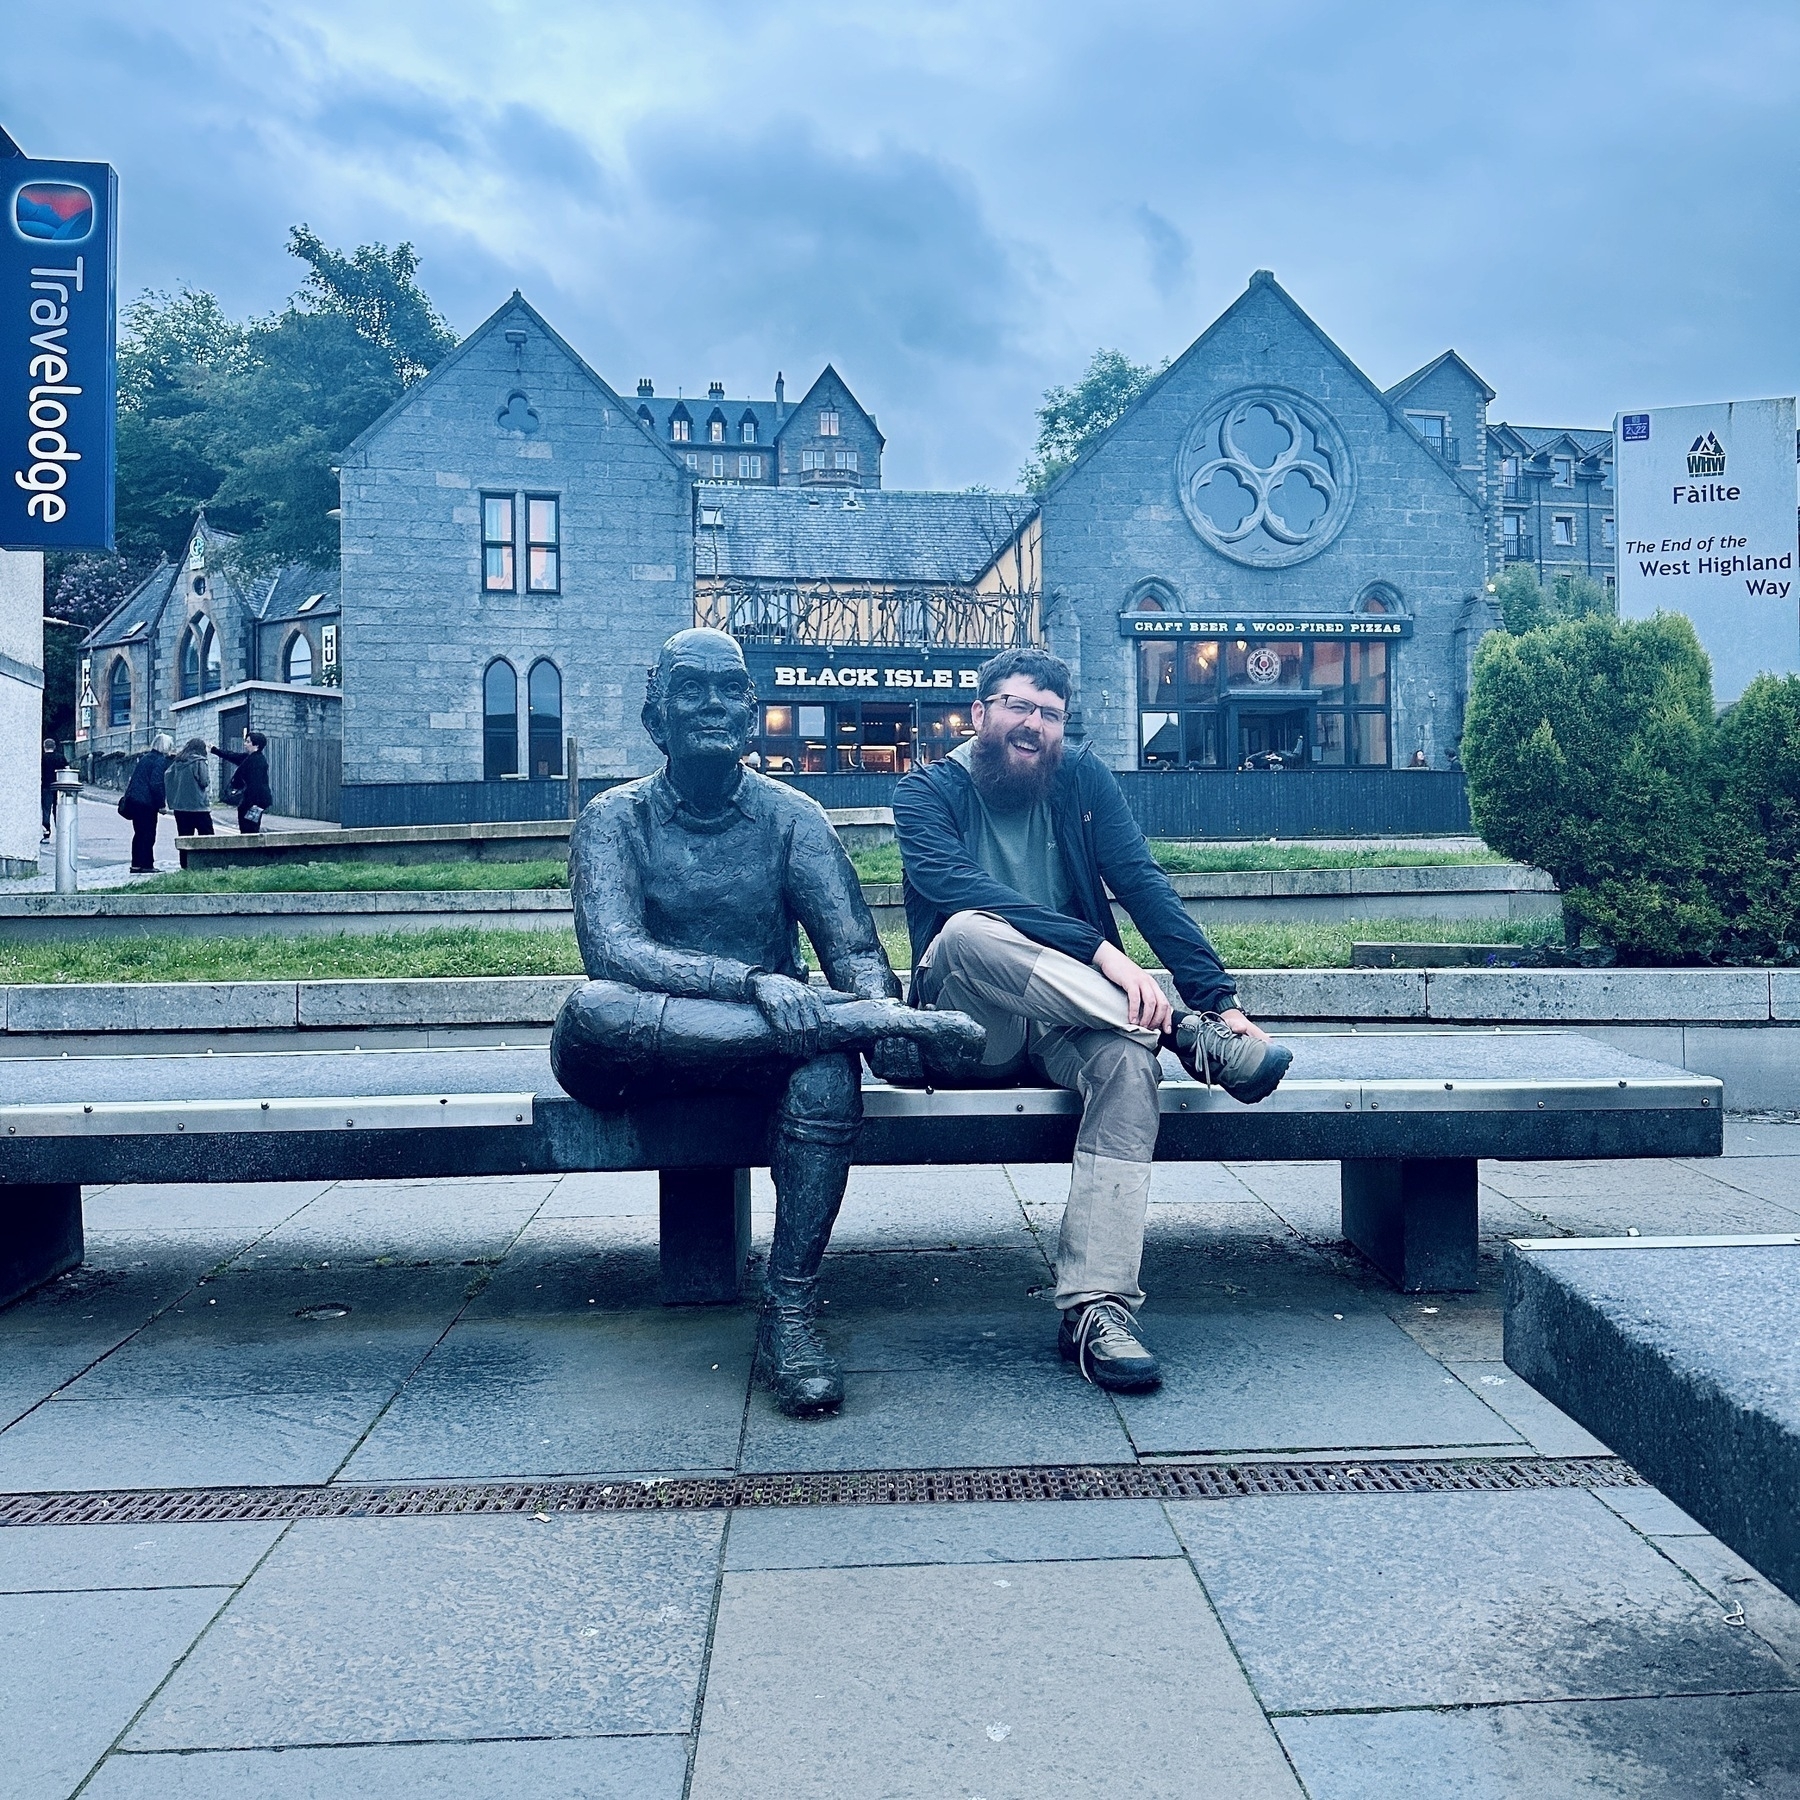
680	430
715	431
1562	471
747	431
828	422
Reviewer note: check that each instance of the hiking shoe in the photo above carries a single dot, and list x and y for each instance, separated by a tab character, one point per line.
1245	1067
792	1361
1102	1341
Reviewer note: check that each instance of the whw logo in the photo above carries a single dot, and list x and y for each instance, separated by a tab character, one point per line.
1706	456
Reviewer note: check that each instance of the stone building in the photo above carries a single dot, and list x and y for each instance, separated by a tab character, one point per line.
827	440
863	615
199	650
1553	501
516	545
1268	557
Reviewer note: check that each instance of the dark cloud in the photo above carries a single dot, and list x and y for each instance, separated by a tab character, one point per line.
1171	254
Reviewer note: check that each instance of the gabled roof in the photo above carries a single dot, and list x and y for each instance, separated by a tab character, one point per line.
662	410
1263	280
800	534
135	616
515	307
1402	388
828	373
289	592
1547	440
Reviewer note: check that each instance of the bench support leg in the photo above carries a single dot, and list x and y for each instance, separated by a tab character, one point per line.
40	1235
1415	1220
705	1235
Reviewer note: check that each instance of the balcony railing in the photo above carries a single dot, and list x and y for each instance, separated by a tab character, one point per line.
937	616
1518	548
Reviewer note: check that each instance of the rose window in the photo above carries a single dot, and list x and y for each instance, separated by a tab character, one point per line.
1265	477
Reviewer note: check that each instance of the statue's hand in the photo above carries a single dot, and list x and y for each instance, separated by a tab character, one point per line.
795	1014
897	1060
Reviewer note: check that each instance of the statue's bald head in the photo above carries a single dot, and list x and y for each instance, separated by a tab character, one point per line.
709	662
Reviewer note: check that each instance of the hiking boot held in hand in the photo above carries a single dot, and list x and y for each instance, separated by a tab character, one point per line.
1101	1339
793	1363
1247	1068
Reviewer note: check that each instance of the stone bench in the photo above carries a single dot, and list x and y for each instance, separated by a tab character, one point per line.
1682	1354
1408	1116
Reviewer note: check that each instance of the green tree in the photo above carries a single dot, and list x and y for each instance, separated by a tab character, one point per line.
1071	418
377	290
1527	605
1757	872
1588	749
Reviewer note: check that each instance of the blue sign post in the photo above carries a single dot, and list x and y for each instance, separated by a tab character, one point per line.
58	354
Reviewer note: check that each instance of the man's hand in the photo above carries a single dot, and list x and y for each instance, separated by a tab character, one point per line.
795	1014
897	1060
1146	1005
1235	1019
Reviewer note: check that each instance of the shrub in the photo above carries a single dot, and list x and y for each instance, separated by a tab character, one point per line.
1527	605
1758	857
1588	749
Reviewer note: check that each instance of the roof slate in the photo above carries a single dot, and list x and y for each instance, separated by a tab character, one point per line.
293	587
142	606
1540	437
796	534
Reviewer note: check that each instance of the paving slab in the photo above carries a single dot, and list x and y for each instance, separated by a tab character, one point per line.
1546	1428
1001	1531
968	1687
929	1209
1711	1747
603	1196
1454	1327
588	1768
1772	1178
1646	1510
595	1392
1765	1609
245	1206
166	1441
385	1630
77	1558
372	1221
1382	1600
1762	1137
74	1668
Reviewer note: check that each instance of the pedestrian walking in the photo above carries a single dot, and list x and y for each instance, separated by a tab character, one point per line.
249	783
144	801
185	781
54	761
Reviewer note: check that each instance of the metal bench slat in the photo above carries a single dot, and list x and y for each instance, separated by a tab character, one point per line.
340	1113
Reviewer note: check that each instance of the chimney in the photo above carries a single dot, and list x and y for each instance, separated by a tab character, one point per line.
780	394
716	391
646	388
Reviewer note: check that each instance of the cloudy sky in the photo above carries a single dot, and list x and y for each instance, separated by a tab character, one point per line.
1593	200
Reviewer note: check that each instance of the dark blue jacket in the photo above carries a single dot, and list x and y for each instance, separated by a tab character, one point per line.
934	811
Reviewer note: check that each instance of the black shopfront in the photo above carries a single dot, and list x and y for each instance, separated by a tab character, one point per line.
1252	694
843	711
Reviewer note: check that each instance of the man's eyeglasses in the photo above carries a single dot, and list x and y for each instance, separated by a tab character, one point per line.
1015	708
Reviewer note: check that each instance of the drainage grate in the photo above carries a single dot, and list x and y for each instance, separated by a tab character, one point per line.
891	1487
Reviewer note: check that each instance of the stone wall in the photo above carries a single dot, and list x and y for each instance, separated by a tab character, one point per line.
419	631
1116	522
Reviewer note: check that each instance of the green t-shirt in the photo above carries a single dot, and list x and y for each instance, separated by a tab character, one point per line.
1018	848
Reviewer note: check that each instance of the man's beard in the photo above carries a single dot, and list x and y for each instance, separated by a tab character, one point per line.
1004	785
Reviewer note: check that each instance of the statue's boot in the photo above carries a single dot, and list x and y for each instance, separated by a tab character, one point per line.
811	1164
791	1358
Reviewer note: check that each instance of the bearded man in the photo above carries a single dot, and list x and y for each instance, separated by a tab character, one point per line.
1009	848
690	888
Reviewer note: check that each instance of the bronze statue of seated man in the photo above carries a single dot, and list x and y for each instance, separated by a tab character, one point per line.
689	889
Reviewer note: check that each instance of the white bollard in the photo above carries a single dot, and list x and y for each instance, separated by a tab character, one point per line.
68	828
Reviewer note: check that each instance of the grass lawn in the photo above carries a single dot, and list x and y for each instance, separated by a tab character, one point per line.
359	878
472	951
883	864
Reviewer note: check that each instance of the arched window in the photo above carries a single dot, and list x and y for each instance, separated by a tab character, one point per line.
1379	598
202	669
297	663
546	735
118	693
499	721
1152	597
